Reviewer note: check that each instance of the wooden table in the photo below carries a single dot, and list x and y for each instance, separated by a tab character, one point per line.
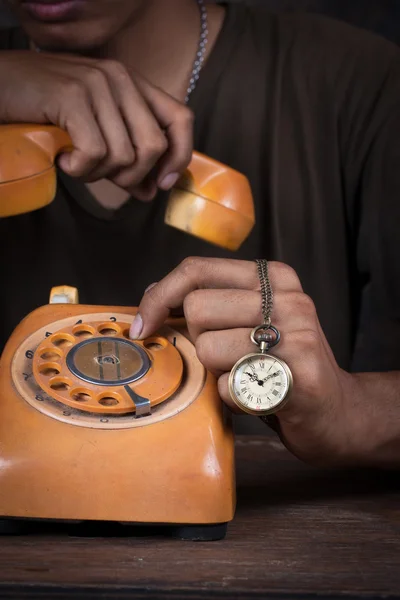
298	533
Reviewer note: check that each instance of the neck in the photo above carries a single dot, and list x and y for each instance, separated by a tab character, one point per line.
161	42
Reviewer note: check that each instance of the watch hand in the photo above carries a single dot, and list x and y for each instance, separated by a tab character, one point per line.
252	376
271	376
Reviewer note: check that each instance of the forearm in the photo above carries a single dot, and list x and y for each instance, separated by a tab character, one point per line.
374	419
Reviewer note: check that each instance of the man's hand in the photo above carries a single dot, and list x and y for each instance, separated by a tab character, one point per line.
322	422
122	128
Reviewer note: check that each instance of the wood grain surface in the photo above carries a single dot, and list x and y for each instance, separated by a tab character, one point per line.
298	533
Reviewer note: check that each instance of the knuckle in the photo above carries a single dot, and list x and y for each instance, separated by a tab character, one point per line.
143	195
154	147
288	273
115	69
310	339
122	159
97	151
191	264
73	89
193	306
125	160
185	115
306	305
95	77
312	382
302	304
307	339
152	296
204	349
124	179
94	152
223	387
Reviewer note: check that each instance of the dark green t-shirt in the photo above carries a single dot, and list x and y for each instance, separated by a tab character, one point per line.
309	110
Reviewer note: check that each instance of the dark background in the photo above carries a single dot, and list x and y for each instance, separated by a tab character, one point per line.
381	16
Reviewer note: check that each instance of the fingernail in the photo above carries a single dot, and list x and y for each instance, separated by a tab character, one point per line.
136	327
64	162
168	181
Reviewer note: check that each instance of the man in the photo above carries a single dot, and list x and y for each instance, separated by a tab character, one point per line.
308	110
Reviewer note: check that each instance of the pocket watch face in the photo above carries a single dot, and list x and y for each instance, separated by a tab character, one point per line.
259	383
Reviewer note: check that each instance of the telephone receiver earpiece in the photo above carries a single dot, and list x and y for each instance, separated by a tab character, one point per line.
210	200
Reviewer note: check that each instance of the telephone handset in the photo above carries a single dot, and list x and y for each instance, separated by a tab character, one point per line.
210	200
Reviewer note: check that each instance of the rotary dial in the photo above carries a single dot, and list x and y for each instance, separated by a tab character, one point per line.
95	367
87	372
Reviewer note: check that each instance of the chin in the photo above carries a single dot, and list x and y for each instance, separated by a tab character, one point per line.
82	26
71	37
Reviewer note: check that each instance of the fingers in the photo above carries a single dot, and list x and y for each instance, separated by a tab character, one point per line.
123	128
119	150
79	103
77	118
160	129
223	390
218	351
147	137
228	309
177	121
199	273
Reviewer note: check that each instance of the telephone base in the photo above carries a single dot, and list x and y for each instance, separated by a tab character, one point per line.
93	529
61	463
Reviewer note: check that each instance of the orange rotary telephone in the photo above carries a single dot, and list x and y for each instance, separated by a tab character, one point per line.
93	426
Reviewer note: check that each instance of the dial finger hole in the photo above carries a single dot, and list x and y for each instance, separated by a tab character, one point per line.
155	343
60	384
109	399
109	329
50	369
62	340
80	395
83	331
50	354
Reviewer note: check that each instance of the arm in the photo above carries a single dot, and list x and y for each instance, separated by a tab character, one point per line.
375	400
376	359
333	417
